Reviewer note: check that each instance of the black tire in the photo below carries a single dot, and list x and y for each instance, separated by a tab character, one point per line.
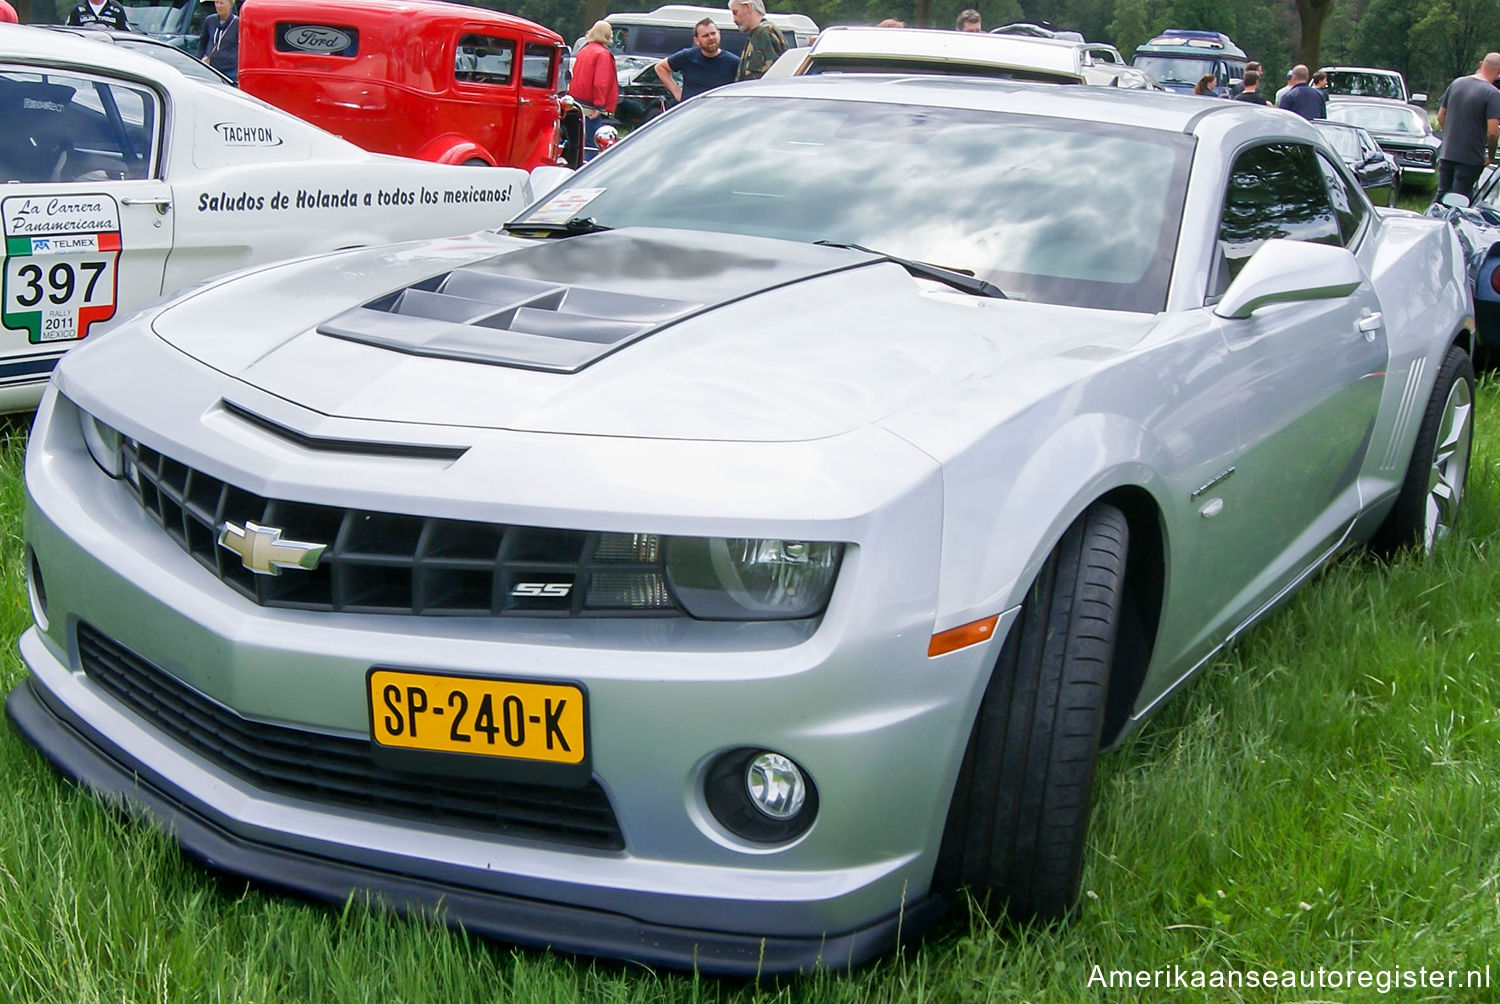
1433	489
1020	810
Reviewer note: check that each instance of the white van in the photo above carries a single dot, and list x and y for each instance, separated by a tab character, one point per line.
668	28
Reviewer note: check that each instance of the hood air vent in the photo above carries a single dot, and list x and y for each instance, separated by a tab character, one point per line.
481	316
559	305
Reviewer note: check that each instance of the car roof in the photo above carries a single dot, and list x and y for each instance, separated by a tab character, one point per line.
319	11
1359	69
686	16
146	43
1370	99
977	48
67	49
1154	110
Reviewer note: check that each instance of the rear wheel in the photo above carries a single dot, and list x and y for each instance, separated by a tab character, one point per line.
1020	810
1427	507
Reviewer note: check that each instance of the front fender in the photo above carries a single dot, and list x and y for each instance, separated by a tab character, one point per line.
1011	498
455	149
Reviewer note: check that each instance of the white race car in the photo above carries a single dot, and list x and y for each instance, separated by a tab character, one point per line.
124	179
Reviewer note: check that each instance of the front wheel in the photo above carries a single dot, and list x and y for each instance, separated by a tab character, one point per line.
1020	810
1427	507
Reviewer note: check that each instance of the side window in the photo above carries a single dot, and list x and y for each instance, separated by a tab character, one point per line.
484	59
60	127
536	67
1348	200
1275	191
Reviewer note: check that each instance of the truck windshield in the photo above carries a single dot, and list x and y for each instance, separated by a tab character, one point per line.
1175	69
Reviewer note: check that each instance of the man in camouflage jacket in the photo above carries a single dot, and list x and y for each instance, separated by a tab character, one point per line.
764	43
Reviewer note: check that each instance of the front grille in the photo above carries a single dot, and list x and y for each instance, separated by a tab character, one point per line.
336	771
396	564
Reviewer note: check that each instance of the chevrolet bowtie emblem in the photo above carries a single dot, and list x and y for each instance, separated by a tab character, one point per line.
262	550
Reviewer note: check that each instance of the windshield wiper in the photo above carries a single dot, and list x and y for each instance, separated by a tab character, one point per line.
568	228
952	277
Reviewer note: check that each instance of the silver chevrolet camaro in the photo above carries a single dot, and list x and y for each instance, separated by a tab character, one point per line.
756	542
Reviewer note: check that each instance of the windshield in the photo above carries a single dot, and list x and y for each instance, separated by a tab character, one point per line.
1359	83
1020	201
157	17
173	56
1175	69
1344	141
1378	118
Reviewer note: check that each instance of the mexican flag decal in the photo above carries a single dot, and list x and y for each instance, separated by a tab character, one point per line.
62	255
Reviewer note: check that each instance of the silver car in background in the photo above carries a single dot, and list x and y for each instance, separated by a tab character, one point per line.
756	543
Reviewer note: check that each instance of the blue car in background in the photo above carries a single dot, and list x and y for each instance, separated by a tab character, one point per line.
1478	226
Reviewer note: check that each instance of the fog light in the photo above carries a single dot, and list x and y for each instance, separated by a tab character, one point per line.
776	786
760	795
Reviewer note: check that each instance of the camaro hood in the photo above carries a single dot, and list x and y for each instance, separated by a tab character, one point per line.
650	333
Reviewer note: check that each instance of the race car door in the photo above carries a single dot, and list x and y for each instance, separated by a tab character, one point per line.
87	220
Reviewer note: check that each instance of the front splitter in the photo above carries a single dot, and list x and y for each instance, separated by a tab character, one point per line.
88	759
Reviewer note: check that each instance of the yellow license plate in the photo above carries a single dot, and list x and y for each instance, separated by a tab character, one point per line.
464	714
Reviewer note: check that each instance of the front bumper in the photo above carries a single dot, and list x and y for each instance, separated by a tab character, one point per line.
879	726
86	757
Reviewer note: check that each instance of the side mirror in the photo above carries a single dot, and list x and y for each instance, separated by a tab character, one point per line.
1419	99
1285	271
1455	200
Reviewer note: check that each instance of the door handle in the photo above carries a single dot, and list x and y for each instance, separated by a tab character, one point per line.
1369	324
524	101
162	203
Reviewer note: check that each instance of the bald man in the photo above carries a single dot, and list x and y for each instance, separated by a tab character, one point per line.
1469	116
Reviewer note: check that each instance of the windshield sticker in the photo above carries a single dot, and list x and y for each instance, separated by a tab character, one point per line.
563	206
61	260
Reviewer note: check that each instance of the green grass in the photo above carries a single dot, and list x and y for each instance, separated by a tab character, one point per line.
1324	795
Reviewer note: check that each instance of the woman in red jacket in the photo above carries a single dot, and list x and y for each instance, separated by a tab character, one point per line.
595	86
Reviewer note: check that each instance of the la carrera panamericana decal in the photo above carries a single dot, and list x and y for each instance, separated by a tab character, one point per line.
62	255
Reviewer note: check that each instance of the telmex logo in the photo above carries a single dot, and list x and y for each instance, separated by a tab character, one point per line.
317	38
234	134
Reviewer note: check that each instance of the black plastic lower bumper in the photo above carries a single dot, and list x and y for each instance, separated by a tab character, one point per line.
87	759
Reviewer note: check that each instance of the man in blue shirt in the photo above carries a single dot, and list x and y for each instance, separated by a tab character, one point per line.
1304	99
703	65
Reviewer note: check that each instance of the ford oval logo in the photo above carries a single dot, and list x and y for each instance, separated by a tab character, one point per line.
317	38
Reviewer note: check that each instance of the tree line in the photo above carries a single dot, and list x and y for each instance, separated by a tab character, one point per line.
1430	41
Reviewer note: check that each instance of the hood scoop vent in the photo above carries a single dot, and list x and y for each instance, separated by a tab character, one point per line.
478	315
560	305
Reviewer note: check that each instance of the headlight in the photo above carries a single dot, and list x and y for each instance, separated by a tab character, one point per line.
716	578
106	446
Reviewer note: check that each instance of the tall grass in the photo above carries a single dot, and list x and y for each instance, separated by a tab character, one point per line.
1324	795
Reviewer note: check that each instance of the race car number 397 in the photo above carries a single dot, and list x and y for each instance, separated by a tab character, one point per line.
61	258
